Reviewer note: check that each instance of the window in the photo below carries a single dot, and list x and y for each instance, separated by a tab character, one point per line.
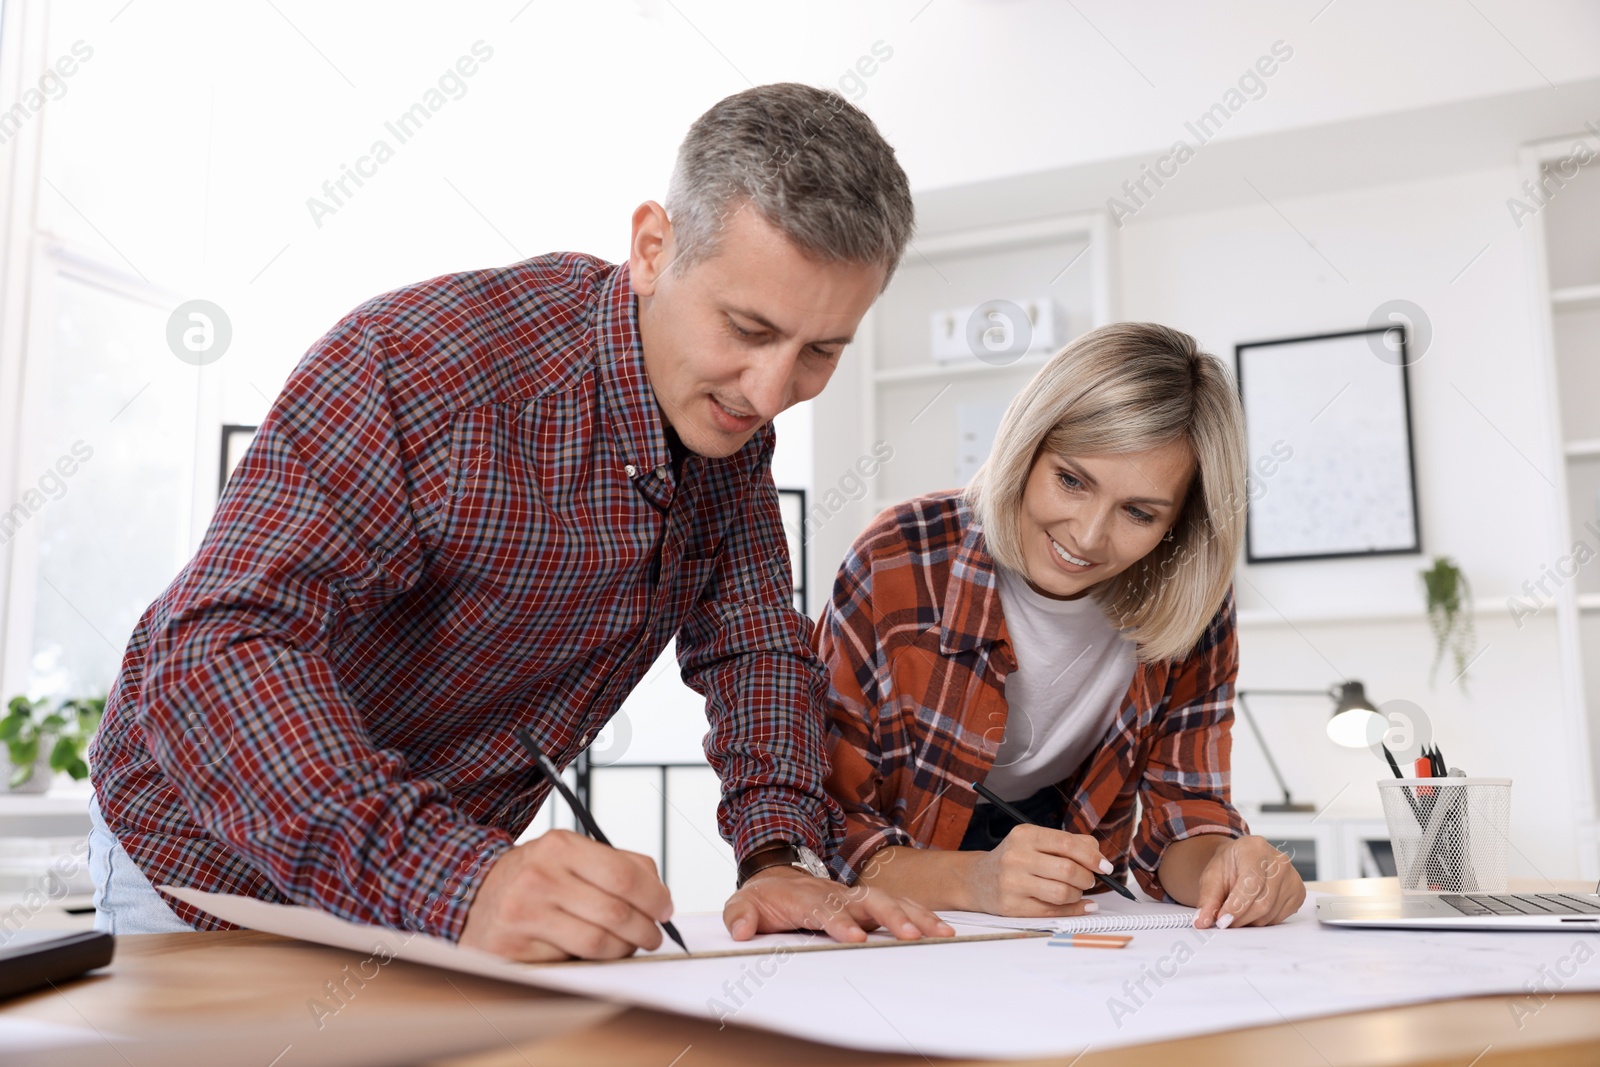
106	508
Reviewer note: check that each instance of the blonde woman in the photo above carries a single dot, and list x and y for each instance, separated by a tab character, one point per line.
1063	632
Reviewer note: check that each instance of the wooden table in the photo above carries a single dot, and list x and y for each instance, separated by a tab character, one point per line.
248	998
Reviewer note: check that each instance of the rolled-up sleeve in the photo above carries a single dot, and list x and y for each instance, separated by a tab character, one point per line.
1184	791
746	649
242	706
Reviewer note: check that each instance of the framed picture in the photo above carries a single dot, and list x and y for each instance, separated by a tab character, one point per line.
235	440
792	504
1332	470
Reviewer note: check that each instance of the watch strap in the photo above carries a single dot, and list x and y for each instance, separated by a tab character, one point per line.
780	855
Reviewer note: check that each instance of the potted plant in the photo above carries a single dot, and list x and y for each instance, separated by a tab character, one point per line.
55	741
1449	604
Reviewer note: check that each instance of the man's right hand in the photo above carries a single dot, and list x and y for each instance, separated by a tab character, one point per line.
563	895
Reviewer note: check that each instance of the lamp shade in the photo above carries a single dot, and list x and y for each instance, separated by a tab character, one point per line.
1355	723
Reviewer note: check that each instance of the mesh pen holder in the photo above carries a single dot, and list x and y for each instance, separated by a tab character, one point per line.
1450	835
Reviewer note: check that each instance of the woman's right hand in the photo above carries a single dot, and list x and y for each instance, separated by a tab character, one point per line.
1037	871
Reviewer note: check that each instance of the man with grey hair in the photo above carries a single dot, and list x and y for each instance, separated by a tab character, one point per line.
484	503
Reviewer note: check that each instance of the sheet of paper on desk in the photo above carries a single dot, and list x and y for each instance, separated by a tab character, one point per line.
705	935
944	999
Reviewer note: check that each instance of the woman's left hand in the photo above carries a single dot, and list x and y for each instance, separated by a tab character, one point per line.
1247	882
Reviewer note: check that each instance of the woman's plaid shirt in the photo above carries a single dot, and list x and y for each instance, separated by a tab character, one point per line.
460	516
917	653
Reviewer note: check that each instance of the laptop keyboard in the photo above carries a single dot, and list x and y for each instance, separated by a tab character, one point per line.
1522	903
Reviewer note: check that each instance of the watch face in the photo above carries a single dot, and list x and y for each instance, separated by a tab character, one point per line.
810	862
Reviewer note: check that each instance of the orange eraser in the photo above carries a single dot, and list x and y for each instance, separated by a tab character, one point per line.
1091	940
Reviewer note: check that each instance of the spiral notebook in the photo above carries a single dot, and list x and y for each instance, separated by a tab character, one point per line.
1115	915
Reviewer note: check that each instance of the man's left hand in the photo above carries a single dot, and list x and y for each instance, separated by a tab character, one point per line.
783	898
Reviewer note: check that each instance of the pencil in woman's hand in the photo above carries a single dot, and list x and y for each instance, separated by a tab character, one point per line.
988	794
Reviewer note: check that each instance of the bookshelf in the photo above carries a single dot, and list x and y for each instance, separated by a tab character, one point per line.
1563	245
914	403
913	397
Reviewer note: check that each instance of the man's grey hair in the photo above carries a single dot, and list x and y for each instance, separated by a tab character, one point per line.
812	163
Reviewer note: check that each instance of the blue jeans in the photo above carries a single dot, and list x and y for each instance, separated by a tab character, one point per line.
124	900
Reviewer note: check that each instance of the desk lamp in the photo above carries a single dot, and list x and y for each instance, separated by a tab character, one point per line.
1351	726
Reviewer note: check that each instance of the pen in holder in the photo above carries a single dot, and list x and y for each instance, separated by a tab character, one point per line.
1450	835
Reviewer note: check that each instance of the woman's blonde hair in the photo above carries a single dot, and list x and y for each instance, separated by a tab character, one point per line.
1128	387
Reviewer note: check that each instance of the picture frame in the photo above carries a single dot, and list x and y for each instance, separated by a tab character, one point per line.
235	442
1332	462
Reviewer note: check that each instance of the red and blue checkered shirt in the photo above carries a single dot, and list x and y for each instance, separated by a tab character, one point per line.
460	516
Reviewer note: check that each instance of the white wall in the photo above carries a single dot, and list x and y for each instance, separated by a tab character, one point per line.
979	90
1245	274
188	146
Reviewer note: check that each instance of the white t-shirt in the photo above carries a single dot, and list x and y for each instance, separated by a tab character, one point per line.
1073	669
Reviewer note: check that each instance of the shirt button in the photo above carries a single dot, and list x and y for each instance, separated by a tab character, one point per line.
585	742
632	471
661	471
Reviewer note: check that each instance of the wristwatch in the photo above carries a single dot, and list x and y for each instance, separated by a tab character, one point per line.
797	856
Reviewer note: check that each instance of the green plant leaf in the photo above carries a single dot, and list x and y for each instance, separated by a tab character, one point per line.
64	754
53	723
20	775
1448	600
78	769
11	726
23	753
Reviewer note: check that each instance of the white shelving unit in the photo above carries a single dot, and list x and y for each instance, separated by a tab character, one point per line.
908	400
1576	298
939	372
1563	246
1065	257
1324	846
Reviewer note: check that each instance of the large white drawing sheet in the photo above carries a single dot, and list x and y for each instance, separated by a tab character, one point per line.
1021	997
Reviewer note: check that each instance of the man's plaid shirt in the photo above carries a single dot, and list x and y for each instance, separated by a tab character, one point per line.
461	515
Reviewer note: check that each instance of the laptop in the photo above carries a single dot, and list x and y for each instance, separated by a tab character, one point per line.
1466	911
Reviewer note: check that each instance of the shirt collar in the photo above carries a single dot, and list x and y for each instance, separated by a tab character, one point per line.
641	439
971	615
639	429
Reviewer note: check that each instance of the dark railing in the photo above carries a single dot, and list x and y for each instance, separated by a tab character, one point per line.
585	772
